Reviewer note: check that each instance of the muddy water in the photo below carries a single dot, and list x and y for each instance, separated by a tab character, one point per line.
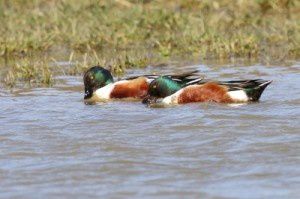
52	145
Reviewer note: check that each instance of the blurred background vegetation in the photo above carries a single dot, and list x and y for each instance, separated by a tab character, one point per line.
37	36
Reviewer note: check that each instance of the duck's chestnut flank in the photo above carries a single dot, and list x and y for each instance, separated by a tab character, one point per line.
203	93
137	88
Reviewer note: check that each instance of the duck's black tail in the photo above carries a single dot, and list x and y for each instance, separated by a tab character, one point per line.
255	92
253	87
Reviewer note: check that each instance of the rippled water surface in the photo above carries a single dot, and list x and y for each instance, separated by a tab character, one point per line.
52	145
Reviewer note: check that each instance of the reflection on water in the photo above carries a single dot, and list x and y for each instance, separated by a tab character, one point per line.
53	145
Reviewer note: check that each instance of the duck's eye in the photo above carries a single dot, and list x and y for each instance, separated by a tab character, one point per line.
154	86
92	77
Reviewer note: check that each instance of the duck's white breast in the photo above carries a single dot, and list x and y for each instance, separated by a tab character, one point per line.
104	92
172	99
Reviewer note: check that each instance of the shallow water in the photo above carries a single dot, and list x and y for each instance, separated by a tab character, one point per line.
52	145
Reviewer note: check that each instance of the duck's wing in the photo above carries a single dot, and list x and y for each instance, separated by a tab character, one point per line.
187	78
147	76
192	81
181	78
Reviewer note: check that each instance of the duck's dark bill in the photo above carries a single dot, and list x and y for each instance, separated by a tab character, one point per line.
89	102
88	93
149	100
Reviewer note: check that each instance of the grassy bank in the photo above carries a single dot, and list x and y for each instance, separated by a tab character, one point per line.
132	33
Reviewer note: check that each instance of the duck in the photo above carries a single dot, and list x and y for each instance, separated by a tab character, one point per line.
236	91
99	84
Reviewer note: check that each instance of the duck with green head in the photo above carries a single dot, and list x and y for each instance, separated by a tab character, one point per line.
164	86
99	84
95	78
165	91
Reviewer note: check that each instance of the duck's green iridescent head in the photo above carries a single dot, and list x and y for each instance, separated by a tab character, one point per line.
161	87
94	78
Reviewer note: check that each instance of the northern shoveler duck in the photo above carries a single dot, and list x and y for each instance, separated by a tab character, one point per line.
205	91
99	84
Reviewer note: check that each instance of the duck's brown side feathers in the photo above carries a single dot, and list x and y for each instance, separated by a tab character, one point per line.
208	92
135	88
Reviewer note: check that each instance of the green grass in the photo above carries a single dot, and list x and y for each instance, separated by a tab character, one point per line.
123	33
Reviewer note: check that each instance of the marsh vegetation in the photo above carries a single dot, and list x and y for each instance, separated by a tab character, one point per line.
41	39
